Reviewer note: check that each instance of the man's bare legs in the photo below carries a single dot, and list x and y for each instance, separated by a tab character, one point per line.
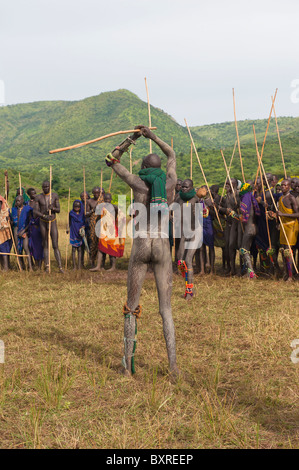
139	259
145	251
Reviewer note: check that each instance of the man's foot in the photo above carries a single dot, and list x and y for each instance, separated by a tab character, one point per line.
175	375
61	270
96	269
188	297
125	372
113	268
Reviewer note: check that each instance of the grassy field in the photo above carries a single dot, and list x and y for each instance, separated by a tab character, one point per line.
60	386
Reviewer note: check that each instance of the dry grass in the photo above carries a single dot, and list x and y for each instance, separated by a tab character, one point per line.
60	386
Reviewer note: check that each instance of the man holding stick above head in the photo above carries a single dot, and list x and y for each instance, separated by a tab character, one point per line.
46	210
288	211
150	187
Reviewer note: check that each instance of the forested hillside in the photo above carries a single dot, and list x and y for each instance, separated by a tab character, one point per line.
29	131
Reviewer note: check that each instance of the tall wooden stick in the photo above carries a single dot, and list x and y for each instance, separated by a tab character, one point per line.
101	182
84	189
20	185
50	213
263	189
172	142
149	112
204	176
10	229
239	146
278	135
228	176
67	227
96	140
230	182
6	187
14	254
191	161
14	245
229	168
280	221
131	193
263	146
110	181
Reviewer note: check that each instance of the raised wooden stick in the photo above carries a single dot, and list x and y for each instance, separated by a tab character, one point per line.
263	189
278	135
101	182
204	176
172	142
191	163
50	213
239	146
280	221
67	227
229	168
97	140
263	146
149	112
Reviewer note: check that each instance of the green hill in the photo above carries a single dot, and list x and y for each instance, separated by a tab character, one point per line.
28	131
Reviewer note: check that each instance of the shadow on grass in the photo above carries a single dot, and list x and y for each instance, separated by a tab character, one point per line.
81	349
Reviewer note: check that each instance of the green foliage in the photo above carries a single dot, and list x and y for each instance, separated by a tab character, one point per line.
29	131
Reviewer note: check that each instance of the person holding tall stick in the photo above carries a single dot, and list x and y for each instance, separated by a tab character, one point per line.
46	210
50	213
288	213
263	237
67	227
34	234
229	207
5	235
21	216
98	198
11	239
249	210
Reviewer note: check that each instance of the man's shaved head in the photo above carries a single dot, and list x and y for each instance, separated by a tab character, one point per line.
151	161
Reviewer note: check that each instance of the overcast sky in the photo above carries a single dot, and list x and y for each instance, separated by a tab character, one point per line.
192	52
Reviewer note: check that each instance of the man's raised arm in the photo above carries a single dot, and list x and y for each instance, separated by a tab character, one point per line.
113	159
